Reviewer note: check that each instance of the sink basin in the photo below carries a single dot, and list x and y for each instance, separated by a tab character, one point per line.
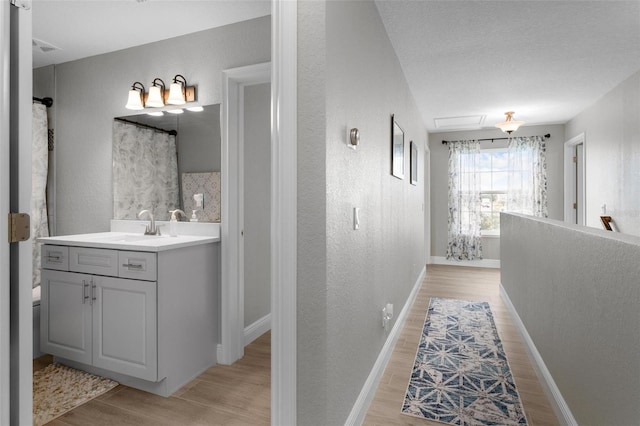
129	238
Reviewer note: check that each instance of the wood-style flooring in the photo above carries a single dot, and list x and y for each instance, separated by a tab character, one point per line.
456	282
238	394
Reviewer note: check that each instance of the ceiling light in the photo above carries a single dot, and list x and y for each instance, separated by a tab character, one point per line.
195	109
135	96
177	91
509	125
175	111
156	93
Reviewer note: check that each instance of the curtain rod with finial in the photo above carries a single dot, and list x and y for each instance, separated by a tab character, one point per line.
44	101
547	136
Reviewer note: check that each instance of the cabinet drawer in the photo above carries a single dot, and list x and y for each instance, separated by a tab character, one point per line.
55	257
93	261
137	265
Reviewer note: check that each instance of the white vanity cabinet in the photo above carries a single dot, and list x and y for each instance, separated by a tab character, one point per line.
103	321
148	319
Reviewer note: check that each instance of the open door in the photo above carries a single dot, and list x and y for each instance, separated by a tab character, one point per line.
575	181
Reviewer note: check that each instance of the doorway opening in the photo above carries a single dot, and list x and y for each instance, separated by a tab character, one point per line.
575	181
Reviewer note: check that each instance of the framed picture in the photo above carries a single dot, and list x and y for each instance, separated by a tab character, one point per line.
397	149
414	163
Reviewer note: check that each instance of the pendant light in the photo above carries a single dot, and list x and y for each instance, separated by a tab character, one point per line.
156	93
177	91
136	95
509	125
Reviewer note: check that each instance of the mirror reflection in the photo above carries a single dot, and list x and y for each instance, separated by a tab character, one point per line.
167	162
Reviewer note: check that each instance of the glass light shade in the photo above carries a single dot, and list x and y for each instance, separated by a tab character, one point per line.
135	100
155	97
509	126
175	111
176	95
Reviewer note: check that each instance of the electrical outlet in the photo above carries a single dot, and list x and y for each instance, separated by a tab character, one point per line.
385	319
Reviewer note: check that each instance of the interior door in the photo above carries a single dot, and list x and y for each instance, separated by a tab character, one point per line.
18	191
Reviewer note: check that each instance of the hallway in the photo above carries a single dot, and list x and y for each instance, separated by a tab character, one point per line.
478	284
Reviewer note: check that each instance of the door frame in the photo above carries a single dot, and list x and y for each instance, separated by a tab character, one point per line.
232	184
570	214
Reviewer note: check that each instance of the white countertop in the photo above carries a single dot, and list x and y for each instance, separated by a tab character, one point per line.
128	241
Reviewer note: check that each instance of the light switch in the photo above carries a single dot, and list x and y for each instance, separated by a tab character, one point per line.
356	218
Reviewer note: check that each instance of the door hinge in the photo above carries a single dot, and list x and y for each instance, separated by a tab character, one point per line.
575	159
19	227
575	206
22	4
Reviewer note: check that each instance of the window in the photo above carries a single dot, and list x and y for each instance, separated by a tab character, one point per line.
494	178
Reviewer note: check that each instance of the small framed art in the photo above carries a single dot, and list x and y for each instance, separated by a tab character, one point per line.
397	149
414	163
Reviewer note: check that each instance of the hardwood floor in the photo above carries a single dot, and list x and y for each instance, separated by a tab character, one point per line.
238	394
466	283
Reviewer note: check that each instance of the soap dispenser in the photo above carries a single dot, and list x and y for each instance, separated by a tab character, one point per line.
194	218
173	223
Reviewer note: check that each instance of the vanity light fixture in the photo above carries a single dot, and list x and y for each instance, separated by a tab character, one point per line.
156	93
136	95
177	90
509	125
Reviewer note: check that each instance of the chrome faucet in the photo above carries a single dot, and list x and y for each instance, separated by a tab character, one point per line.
151	228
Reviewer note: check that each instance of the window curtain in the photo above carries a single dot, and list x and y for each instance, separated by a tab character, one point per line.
527	179
40	168
145	172
464	201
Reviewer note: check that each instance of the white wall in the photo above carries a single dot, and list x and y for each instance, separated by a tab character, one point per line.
257	202
576	291
349	76
440	180
612	154
91	91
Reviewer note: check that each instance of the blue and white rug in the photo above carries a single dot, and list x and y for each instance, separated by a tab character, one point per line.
461	375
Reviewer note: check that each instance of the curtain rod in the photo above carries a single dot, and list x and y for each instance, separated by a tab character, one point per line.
146	126
547	136
44	101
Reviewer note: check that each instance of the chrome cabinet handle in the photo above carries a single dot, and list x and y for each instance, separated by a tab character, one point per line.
93	291
55	258
85	286
132	266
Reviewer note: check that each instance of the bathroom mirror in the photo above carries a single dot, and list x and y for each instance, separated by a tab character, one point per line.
167	162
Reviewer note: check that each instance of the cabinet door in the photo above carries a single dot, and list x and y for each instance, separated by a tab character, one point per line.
65	317
125	327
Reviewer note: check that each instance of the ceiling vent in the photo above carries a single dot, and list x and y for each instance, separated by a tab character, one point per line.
43	46
470	121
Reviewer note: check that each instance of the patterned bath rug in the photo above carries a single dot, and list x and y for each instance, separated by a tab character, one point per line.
58	389
461	375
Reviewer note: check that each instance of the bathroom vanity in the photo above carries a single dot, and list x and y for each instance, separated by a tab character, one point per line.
135	308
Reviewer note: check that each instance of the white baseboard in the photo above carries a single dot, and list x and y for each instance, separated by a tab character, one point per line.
479	263
252	332
257	329
359	410
558	403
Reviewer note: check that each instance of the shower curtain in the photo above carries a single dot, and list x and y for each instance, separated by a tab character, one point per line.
39	167
145	171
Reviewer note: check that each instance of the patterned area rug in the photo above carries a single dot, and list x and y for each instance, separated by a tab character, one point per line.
58	389
461	375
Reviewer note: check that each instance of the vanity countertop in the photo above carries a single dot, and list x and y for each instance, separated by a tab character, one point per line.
128	241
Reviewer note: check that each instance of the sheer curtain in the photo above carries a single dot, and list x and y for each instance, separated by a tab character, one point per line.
145	171
464	201
527	179
39	167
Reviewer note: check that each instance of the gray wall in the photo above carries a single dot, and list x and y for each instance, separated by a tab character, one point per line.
440	184
257	202
612	154
199	141
576	291
91	91
349	76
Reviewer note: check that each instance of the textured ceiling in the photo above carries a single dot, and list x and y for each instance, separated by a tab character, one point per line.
82	28
545	60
